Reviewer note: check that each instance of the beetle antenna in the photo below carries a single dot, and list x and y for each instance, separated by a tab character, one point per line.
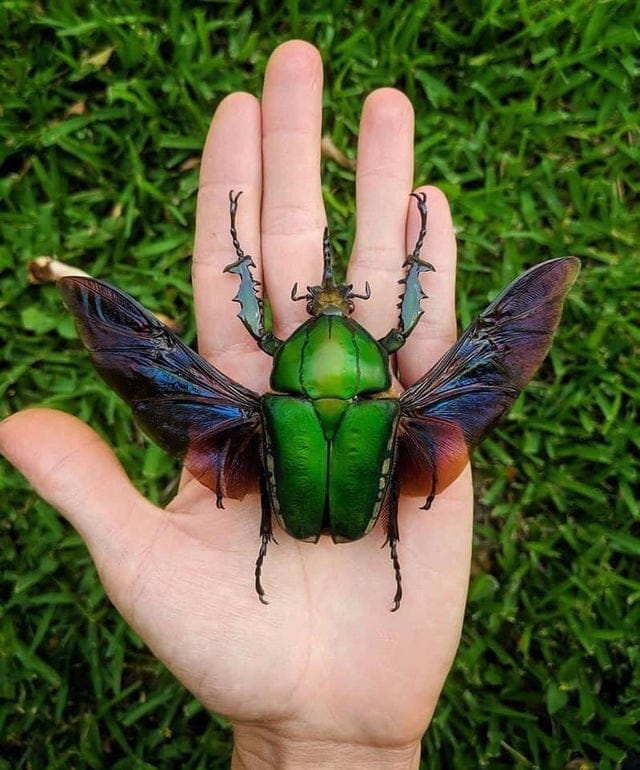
297	297
366	295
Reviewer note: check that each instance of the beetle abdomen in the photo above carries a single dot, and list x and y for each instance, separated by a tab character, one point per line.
334	484
330	357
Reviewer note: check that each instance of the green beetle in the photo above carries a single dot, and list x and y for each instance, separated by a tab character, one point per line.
331	446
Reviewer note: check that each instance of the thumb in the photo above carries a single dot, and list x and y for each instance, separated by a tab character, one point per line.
72	468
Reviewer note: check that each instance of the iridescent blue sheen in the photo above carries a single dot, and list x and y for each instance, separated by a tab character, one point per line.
184	404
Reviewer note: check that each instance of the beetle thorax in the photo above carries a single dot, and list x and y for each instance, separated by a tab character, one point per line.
330	356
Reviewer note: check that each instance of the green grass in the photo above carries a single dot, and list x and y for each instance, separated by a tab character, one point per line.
526	117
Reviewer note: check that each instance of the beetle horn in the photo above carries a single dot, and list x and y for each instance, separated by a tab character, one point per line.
328	279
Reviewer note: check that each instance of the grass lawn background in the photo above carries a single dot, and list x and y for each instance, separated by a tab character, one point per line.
527	117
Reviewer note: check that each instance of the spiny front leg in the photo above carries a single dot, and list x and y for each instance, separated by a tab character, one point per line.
410	310
251	310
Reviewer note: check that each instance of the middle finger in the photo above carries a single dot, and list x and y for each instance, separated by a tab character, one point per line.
293	216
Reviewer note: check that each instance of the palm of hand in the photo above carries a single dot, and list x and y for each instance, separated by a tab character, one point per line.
326	660
326	653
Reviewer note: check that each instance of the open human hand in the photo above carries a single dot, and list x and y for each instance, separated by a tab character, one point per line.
325	675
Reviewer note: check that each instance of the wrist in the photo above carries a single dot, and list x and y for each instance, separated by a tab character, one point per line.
261	748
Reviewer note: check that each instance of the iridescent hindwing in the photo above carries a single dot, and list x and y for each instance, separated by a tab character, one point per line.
188	407
455	405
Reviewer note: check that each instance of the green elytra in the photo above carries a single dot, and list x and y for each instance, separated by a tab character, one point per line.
330	421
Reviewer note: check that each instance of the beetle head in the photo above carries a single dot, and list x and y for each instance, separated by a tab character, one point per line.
329	298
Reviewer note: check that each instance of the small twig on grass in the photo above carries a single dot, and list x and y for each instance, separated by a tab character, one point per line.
49	270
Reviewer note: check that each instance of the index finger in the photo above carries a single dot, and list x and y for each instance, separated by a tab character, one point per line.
231	160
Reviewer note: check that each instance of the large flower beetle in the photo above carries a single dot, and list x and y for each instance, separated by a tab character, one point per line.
331	446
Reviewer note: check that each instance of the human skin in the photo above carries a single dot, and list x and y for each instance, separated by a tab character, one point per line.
325	675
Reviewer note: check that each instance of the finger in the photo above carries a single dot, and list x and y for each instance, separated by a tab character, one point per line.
384	176
81	477
293	216
436	330
231	160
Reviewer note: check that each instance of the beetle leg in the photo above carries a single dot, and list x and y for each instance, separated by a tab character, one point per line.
393	536
412	296
432	491
266	535
251	306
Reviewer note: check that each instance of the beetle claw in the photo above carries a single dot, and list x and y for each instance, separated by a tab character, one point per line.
393	543
265	537
259	589
432	492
